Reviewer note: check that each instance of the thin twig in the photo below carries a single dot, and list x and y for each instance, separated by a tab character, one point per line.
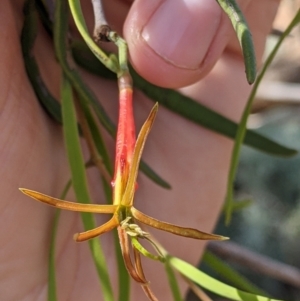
254	261
101	28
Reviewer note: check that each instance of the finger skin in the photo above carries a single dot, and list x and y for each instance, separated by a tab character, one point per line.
167	65
176	43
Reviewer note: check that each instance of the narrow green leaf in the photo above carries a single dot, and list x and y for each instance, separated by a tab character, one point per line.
230	274
198	113
244	36
52	296
182	105
46	15
173	283
51	263
28	36
79	181
212	284
241	132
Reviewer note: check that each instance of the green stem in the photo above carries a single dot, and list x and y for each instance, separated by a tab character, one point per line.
51	263
242	126
81	26
173	282
136	244
122	53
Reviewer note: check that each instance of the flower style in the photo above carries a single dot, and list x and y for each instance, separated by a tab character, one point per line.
128	155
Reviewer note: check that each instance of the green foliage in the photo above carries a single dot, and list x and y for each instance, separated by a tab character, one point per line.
243	123
212	284
186	107
244	36
182	105
79	183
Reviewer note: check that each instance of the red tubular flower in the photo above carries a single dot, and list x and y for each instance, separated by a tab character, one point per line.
125	141
128	155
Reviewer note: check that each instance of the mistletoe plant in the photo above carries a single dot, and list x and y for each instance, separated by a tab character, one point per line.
128	149
127	159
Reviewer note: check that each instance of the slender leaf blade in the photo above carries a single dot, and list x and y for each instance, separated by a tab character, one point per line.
52	296
241	131
28	36
212	284
182	105
202	115
173	283
239	23
79	182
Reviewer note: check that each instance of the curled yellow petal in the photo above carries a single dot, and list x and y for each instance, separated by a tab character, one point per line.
127	198
148	292
111	224
126	256
93	208
174	229
138	265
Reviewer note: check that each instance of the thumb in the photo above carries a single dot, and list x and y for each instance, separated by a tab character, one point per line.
175	43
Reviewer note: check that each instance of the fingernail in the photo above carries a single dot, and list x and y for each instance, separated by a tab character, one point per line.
181	31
